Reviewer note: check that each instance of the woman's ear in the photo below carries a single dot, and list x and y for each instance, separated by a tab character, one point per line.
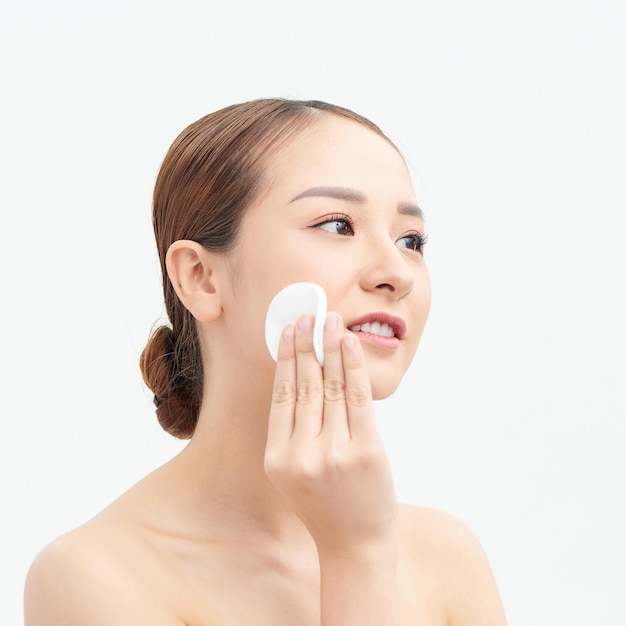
193	271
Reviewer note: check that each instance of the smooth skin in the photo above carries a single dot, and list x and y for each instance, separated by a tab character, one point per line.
281	509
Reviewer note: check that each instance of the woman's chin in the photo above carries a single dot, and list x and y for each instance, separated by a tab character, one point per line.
382	388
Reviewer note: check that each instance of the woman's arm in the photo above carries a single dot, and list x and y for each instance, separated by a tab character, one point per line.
360	588
325	456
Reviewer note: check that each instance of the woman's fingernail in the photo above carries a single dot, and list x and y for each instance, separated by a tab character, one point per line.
330	322
288	333
305	323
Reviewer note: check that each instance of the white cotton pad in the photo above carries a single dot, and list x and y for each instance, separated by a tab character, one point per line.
288	305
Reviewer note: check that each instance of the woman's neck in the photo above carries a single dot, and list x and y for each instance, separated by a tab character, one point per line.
222	467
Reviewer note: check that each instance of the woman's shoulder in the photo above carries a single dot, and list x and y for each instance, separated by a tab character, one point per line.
444	549
431	529
72	581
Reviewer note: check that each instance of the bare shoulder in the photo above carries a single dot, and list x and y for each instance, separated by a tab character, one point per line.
449	551
433	532
74	579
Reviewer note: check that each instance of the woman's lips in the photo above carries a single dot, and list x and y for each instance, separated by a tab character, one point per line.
377	340
379	320
381	329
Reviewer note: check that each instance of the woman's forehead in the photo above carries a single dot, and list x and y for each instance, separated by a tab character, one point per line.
336	152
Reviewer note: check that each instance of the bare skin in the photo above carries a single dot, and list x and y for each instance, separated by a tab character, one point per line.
281	510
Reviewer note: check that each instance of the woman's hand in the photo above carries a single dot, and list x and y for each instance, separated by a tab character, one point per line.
324	454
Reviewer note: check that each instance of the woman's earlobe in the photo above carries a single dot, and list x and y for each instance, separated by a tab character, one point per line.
192	270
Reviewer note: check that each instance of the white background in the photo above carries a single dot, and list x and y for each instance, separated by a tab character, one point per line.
512	116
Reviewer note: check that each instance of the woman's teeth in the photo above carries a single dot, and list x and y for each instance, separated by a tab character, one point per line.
375	328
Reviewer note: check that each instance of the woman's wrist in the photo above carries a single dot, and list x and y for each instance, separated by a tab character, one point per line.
364	552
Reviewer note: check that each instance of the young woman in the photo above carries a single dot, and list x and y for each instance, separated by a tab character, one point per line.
281	509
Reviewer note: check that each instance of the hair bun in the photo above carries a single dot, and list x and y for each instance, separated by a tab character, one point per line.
176	397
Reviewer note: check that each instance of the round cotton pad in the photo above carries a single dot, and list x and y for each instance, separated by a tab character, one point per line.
288	305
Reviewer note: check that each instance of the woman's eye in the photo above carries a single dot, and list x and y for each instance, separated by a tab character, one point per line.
337	227
413	241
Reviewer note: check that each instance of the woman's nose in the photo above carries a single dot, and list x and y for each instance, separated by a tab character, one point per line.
387	268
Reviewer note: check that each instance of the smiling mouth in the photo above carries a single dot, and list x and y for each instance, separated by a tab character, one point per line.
374	328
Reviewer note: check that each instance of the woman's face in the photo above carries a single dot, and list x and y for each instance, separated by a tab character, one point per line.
339	210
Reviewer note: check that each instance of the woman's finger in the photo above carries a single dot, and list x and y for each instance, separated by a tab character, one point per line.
335	424
309	383
361	420
282	411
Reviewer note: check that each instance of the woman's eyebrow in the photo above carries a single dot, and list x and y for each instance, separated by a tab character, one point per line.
407	208
339	193
352	195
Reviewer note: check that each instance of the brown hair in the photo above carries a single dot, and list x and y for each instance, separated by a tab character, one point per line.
210	174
